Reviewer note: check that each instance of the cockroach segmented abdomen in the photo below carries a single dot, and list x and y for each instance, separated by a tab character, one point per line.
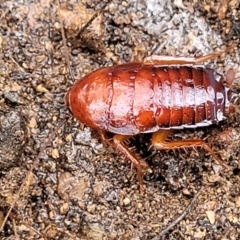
146	98
137	98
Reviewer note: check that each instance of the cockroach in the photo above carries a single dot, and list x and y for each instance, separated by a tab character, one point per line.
158	95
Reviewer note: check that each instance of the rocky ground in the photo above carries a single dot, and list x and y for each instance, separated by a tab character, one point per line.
80	189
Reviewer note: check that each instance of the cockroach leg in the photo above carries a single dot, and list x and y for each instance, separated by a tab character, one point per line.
213	55
136	160
172	60
230	76
208	149
104	138
169	60
158	141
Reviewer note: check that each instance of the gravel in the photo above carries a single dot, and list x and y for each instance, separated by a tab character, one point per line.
82	189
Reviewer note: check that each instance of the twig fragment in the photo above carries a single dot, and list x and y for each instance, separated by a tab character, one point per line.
34	165
179	218
66	53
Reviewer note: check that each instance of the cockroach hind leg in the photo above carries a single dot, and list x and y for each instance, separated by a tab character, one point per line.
169	60
213	55
158	141
174	60
216	158
139	163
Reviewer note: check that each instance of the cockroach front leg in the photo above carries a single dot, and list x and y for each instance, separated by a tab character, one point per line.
159	137
137	161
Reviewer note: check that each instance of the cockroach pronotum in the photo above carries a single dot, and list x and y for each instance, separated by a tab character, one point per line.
156	96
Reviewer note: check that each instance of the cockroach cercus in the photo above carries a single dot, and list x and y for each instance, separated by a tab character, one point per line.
158	95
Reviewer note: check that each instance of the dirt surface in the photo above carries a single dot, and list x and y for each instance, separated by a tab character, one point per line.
81	189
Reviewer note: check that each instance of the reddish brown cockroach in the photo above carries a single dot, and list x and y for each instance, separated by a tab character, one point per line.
156	96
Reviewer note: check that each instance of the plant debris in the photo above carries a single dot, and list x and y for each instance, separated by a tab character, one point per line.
57	180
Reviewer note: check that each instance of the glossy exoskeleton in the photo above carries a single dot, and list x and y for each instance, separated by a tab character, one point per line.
156	96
